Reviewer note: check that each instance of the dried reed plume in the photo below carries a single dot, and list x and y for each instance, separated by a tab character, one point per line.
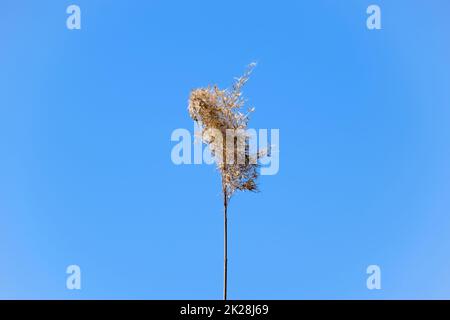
223	125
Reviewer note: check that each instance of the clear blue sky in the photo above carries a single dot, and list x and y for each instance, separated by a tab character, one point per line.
86	176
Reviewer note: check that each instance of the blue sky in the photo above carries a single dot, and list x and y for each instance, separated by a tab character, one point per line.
86	176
